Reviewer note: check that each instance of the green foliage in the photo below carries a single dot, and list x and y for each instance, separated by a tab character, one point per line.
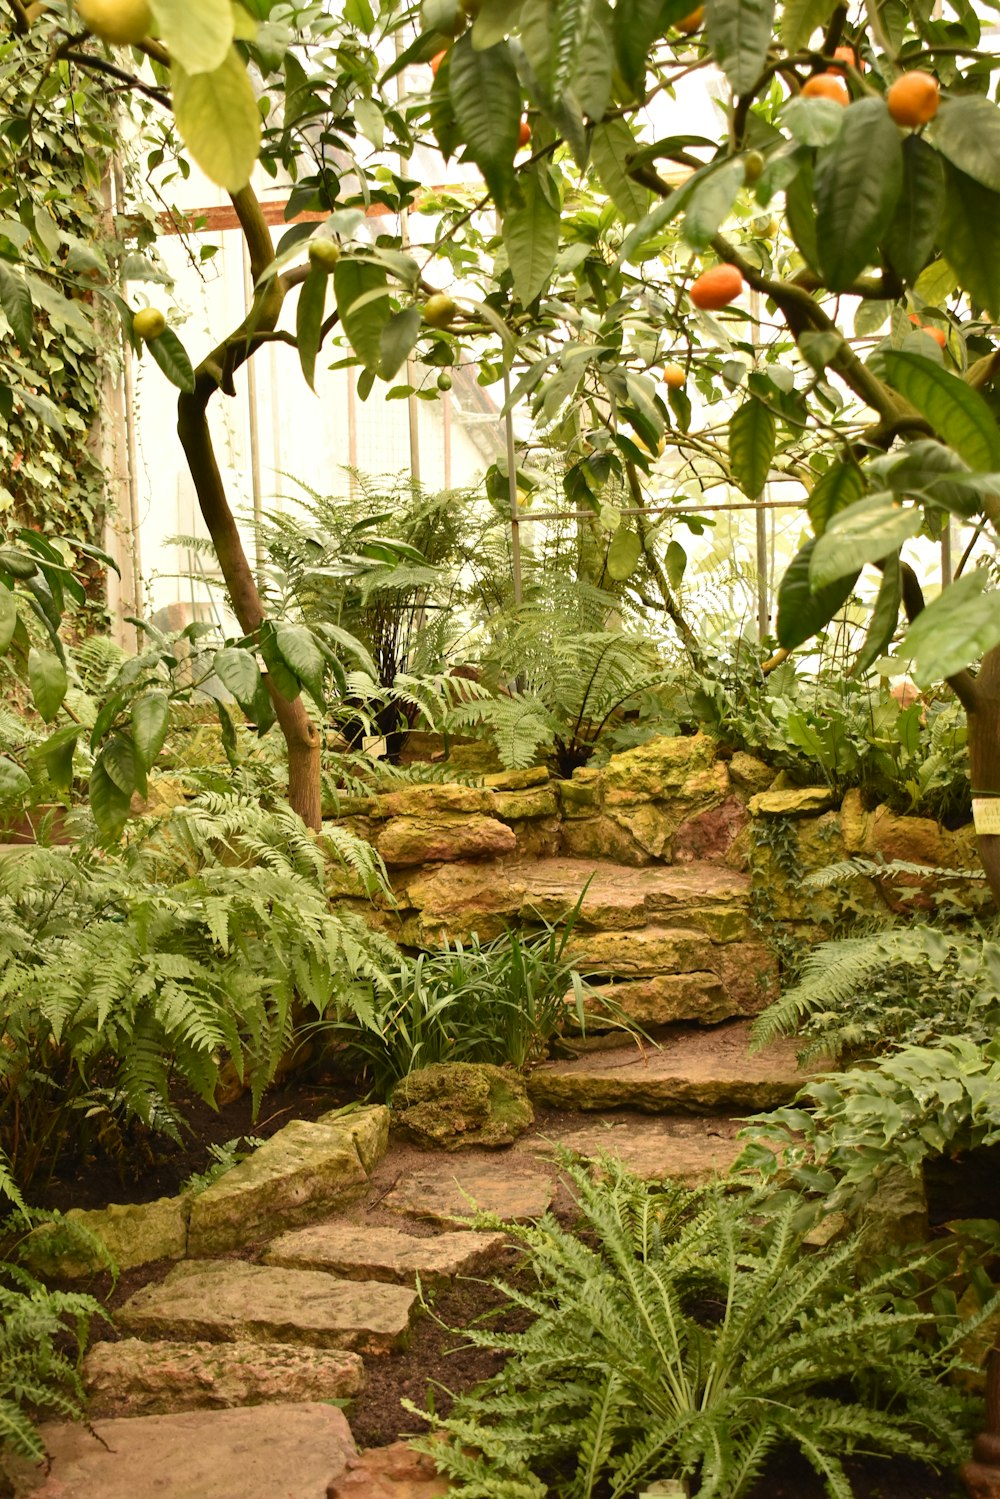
224	1157
680	1335
124	977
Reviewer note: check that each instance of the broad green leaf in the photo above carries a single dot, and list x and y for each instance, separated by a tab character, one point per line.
218	118
239	673
912	234
119	760
172	357
593	75
858	182
108	802
302	655
801	213
399	336
636	23
955	630
712	203
486	97
362	315
14	782
885	617
198	37
531	236
445	16
15	299
283	681
839	487
611	146
813	122
57	755
955	411
150	721
800	18
751	446
495	19
930	469
739	33
309	321
245	26
866	531
8	618
676	563
801	612
47	677
967	131
971	246
936	284
624	555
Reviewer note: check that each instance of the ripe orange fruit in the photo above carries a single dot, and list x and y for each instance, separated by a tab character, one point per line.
913	99
439	310
436	61
123	23
915	320
716	288
938	334
693	22
826	86
674	377
847	55
523	134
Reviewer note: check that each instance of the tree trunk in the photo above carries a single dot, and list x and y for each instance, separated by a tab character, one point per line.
984	756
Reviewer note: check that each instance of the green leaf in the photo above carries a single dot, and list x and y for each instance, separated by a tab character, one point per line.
801	213
198	37
57	755
108	802
858	182
300	653
119	760
800	18
739	33
866	531
839	487
172	357
751	446
936	284
444	16
885	617
363	311
15	299
150	722
636	24
8	618
486	97
282	680
47	676
967	131
911	235
801	612
14	782
593	74
399	337
531	236
624	555
494	21
955	630
955	411
309	321
971	246
239	673
676	563
218	118
611	146
712	203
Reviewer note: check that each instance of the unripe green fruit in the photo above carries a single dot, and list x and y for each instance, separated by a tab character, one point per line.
439	311
444	381
123	23
149	323
323	253
753	166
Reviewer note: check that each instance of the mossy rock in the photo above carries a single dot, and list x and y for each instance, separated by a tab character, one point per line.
451	1104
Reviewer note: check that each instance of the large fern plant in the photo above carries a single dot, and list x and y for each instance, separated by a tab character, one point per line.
687	1336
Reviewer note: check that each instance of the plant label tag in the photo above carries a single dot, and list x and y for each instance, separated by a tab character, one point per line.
986	814
666	1488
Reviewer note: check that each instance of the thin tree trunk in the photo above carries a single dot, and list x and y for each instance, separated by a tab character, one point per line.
984	756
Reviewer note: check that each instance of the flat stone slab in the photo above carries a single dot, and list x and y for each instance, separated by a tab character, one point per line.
620	898
362	1252
227	1301
443	1193
390	1473
135	1378
292	1451
691	1151
694	1072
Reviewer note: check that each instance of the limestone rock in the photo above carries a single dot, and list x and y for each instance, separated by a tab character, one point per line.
518	780
649	824
598	837
394	1472
406	841
454	1191
615	899
655	770
654	950
451	1104
691	1151
710	834
133	1234
579	797
367	1129
538	837
135	1378
667	999
517	806
291	1451
229	1301
466	890
796	801
303	1168
895	1216
431	801
748	774
361	1252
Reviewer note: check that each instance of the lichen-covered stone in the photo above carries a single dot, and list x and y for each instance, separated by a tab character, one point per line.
406	841
366	1252
538	837
655	770
452	1104
516	806
710	834
518	780
650	826
132	1233
795	801
468	890
367	1129
393	1472
665	1000
505	1188
748	774
640	954
600	838
431	801
579	797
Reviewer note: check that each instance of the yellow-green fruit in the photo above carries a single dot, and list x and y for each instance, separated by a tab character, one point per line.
323	253
121	22
753	166
439	311
444	381
149	323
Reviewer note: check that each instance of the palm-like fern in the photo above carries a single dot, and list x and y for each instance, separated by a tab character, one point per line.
682	1335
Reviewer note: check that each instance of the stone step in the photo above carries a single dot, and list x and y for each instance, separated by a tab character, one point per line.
385	1254
515	1191
692	1072
135	1378
686	1150
660	974
291	1451
225	1301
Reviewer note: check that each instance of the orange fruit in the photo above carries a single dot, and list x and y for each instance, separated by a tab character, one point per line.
915	320
674	377
826	86
913	99
523	134
436	61
847	55
716	288
938	334
693	22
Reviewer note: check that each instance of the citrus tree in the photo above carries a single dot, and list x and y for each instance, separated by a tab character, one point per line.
809	289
